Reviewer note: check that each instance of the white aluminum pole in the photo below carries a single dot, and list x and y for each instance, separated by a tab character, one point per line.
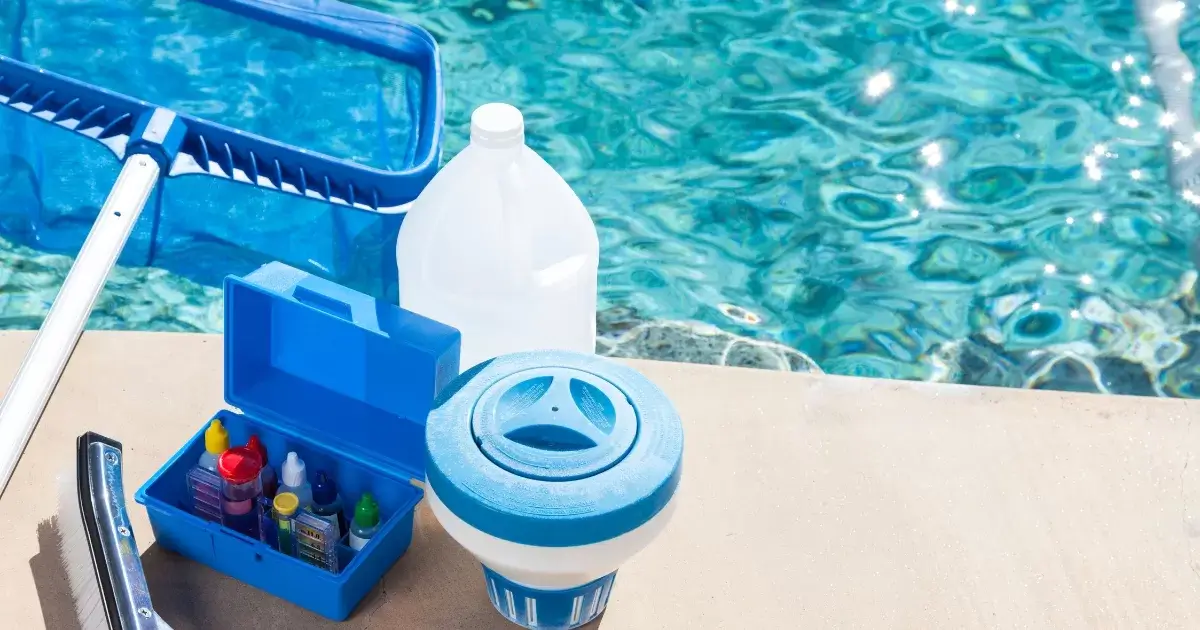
46	359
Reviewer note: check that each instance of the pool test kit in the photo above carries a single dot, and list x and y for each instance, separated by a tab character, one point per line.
343	384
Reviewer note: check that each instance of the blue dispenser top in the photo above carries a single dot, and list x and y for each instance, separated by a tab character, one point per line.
554	424
554	448
334	365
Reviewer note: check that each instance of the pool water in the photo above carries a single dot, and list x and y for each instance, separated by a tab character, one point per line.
954	191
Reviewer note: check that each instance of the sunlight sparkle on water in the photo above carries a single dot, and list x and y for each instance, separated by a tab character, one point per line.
932	153
880	84
1091	162
934	198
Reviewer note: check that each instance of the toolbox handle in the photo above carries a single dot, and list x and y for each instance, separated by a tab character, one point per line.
338	301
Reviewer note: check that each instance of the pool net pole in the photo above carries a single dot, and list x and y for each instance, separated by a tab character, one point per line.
43	366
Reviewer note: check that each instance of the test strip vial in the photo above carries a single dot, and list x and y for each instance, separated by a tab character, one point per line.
204	486
316	542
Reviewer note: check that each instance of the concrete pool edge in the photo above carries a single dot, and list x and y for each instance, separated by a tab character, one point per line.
808	500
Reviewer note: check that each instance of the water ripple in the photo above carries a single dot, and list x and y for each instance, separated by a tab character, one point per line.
894	188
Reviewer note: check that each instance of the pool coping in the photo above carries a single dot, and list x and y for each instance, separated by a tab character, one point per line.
807	501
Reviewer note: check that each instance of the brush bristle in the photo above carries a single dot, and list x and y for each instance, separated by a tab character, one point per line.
76	556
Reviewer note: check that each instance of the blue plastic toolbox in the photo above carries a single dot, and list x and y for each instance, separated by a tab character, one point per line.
346	382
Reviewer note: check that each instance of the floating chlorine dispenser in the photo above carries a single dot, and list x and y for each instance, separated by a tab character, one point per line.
552	468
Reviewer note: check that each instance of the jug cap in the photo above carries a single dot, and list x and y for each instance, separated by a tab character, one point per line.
497	125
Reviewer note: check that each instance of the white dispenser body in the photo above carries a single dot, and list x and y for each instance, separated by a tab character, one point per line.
548	568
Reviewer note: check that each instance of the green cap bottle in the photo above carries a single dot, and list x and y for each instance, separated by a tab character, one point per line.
366	521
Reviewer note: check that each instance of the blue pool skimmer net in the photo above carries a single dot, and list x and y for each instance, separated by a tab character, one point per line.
155	143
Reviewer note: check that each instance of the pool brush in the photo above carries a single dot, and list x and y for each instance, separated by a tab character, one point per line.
1173	76
96	542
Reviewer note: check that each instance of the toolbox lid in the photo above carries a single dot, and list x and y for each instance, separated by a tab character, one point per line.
335	366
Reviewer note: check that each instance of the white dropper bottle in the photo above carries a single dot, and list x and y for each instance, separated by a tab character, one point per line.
295	479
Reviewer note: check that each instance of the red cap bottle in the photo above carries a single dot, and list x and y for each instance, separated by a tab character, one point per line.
239	465
270	482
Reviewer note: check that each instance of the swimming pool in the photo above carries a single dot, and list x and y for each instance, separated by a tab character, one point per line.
953	191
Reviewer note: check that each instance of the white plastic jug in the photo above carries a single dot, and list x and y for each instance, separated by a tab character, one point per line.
500	247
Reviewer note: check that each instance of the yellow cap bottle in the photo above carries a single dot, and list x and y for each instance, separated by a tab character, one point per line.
216	441
286	505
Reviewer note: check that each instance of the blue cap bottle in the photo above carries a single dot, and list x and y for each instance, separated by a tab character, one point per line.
327	503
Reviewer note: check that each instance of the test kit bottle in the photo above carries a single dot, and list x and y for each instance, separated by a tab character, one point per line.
216	441
239	468
327	503
500	247
267	531
366	522
270	482
286	505
295	479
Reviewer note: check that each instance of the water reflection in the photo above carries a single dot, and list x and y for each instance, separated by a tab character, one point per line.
880	84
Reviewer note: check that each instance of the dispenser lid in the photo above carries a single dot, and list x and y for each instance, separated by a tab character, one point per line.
554	448
335	366
554	424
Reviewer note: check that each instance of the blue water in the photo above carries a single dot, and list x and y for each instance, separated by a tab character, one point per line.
894	188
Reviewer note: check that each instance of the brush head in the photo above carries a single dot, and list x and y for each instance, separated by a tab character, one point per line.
78	546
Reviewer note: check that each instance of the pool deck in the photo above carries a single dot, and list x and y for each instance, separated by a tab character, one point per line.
807	501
